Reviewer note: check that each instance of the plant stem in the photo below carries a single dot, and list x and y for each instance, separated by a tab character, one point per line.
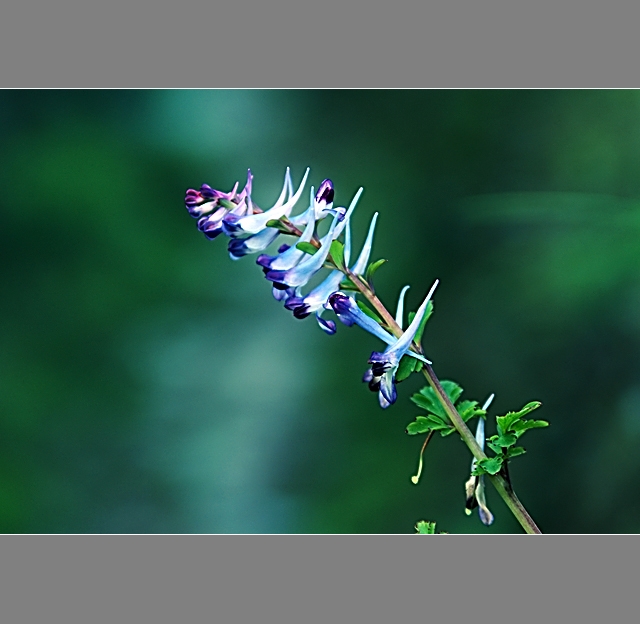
502	486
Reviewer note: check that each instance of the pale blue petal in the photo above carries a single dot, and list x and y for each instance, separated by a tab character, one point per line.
404	342
302	273
400	308
254	223
363	260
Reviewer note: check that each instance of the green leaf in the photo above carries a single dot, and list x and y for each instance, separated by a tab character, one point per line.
529	407
452	389
521	426
225	203
425	399
505	440
347	284
419	425
506	423
428	312
496	448
406	367
469	409
424	424
307	248
279	225
428	400
369	312
491	465
438	422
372	268
445	431
514	451
337	253
425	528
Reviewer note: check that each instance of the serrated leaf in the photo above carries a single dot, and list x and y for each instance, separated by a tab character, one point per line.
307	248
428	312
469	409
514	451
425	528
506	422
521	426
505	440
337	253
428	402
452	389
419	425
491	465
372	268
496	448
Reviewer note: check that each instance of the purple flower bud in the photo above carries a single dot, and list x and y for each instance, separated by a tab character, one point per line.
211	226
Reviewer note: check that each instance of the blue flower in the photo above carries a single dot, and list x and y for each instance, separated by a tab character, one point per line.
381	375
301	307
317	299
302	272
288	257
320	206
239	247
474	487
237	225
349	313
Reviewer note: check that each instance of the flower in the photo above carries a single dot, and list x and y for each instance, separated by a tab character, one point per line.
287	256
381	375
205	200
236	225
316	300
319	297
239	247
210	206
474	487
349	313
302	272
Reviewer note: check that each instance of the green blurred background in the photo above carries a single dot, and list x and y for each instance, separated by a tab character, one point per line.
149	384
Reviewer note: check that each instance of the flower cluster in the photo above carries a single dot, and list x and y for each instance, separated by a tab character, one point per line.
252	230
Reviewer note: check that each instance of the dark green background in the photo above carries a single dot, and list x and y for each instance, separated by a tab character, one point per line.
150	384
